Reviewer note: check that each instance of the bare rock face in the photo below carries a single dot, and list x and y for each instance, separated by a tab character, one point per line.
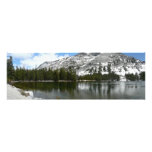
88	63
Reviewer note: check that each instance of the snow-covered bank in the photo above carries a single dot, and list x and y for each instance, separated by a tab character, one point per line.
15	93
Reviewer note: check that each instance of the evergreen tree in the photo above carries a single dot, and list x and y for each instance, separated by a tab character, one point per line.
63	74
56	75
109	68
50	74
132	77
10	69
100	68
142	76
71	74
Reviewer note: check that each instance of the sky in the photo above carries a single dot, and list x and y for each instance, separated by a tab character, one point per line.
33	60
140	56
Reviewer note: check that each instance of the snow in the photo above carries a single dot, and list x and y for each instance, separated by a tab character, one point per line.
84	62
14	93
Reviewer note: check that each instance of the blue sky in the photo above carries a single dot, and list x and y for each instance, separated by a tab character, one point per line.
33	60
140	56
70	54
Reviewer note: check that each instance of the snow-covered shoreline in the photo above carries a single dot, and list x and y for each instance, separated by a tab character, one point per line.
15	93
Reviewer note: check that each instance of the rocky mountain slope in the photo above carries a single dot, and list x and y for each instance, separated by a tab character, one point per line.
88	63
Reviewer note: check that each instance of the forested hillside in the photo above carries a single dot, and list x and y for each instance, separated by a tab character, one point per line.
22	74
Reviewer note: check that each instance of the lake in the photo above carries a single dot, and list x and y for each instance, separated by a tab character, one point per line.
84	90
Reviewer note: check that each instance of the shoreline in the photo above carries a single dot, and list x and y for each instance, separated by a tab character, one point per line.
14	93
53	81
74	81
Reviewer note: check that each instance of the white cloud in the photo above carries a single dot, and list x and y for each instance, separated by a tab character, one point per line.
35	61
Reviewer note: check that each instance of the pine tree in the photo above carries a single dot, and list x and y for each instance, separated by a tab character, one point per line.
10	69
56	75
142	76
109	68
63	74
100	68
71	74
50	74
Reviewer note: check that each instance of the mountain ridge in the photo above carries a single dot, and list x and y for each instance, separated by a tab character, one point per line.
89	63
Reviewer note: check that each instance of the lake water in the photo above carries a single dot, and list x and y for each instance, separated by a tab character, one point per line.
84	90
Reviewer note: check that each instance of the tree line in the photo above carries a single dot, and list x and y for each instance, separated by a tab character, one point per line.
100	77
22	74
44	74
136	77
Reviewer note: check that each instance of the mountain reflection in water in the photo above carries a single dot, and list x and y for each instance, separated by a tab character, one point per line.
85	90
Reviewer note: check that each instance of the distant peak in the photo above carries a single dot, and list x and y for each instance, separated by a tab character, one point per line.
95	54
81	54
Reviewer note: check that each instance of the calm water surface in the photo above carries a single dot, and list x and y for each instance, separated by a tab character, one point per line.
84	90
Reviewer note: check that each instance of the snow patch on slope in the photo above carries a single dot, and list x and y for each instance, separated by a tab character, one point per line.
88	63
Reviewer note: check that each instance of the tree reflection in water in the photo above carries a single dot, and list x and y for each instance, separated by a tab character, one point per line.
85	90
